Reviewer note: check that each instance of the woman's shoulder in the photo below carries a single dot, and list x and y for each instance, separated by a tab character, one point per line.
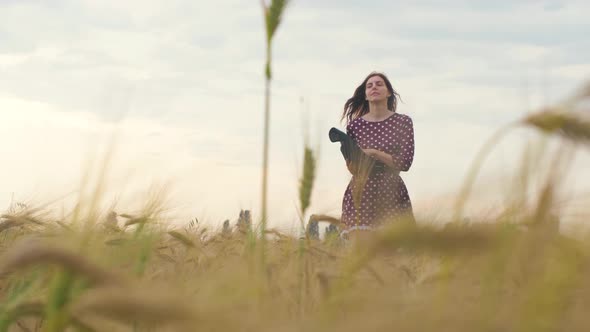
354	123
403	117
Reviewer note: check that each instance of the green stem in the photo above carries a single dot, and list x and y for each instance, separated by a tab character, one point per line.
265	153
56	316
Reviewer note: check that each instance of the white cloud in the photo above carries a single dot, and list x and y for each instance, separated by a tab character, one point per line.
46	155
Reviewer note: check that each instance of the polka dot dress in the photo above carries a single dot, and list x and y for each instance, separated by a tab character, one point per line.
384	196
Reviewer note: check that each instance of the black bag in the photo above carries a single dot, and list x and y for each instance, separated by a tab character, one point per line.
353	153
348	147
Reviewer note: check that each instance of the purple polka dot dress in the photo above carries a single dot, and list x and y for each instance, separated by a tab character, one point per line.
383	195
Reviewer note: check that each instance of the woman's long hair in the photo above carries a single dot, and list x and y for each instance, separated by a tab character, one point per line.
358	105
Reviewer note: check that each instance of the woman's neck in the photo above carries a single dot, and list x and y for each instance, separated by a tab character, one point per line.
378	111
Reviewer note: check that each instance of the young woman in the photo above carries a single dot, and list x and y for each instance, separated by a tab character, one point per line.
378	195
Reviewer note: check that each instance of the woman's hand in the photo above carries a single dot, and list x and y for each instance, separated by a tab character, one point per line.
371	152
380	156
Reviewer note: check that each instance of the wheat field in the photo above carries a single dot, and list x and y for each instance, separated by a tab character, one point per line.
65	276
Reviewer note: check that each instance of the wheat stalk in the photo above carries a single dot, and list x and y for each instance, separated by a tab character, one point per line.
182	238
127	305
560	121
10	224
28	253
307	179
553	120
273	14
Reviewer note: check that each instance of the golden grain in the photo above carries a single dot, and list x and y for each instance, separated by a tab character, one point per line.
31	252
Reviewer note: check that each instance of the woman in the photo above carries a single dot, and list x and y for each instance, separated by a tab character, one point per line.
378	195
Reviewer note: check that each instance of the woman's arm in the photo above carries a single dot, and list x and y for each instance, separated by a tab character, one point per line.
383	157
402	160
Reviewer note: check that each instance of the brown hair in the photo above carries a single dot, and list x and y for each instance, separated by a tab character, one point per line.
357	105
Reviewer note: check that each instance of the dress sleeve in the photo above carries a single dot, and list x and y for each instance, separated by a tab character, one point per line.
350	132
403	154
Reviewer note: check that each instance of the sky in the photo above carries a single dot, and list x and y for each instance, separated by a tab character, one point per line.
171	93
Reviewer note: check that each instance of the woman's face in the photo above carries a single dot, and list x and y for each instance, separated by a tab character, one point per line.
376	90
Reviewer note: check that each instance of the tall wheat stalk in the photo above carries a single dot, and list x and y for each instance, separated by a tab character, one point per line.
273	14
307	179
308	172
558	120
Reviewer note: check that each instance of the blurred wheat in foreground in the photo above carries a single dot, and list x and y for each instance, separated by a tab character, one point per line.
477	277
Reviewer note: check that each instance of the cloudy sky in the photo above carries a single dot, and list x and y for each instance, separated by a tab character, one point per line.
176	89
